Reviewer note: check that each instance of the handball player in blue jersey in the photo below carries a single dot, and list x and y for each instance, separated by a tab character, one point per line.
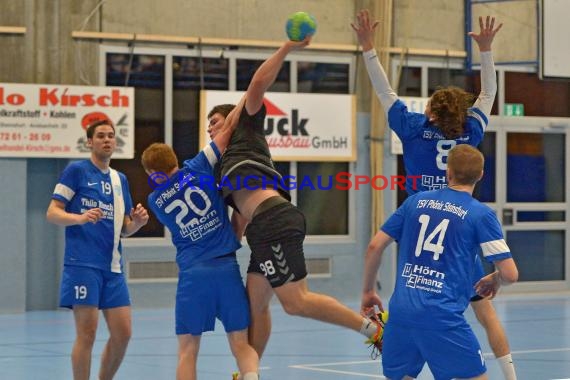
188	203
93	202
440	232
451	118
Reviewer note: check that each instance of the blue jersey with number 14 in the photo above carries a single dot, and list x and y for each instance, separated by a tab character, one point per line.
439	234
191	207
426	149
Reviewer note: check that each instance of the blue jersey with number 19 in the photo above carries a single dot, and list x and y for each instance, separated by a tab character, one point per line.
83	186
426	149
191	207
439	234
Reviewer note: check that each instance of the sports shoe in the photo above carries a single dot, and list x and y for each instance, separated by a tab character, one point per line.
375	341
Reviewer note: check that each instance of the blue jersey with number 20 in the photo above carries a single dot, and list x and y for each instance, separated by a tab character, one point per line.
194	212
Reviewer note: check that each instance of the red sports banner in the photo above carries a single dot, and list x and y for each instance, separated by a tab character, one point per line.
42	120
298	127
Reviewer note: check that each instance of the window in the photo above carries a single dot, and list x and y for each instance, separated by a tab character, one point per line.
247	67
316	204
329	78
485	189
410	82
189	75
536	167
146	74
326	211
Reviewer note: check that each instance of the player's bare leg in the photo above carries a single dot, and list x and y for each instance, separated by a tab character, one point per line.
119	324
86	319
259	292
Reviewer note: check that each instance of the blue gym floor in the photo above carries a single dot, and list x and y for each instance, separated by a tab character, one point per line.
36	345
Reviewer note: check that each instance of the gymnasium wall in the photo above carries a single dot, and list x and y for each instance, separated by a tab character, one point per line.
439	24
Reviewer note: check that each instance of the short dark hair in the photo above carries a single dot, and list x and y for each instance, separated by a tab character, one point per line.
91	128
222	109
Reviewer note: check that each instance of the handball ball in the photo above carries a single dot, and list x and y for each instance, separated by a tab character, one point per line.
300	25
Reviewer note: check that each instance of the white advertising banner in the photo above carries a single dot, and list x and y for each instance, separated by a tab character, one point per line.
299	127
49	121
414	104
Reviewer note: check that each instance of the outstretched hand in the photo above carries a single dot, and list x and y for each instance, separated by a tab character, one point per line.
364	29
485	37
297	45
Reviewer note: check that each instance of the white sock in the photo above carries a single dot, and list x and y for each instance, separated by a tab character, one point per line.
507	366
368	328
250	376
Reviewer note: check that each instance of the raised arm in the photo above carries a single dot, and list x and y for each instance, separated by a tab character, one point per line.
484	41
365	32
267	73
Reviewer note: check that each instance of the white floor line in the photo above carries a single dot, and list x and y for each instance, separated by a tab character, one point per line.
315	366
338	363
541	350
309	368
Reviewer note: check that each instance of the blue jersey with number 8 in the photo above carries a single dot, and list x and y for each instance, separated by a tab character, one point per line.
426	149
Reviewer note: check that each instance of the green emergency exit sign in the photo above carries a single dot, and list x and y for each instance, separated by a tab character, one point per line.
514	109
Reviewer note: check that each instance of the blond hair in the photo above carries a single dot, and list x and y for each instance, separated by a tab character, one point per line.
449	107
159	157
465	163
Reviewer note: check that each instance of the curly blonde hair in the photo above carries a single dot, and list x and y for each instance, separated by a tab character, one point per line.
449	108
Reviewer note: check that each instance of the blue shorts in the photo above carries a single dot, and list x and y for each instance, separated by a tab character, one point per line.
450	354
211	290
91	286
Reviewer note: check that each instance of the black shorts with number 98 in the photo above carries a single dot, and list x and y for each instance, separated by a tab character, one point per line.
275	238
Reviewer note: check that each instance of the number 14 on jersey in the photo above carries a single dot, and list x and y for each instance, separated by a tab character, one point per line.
427	243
